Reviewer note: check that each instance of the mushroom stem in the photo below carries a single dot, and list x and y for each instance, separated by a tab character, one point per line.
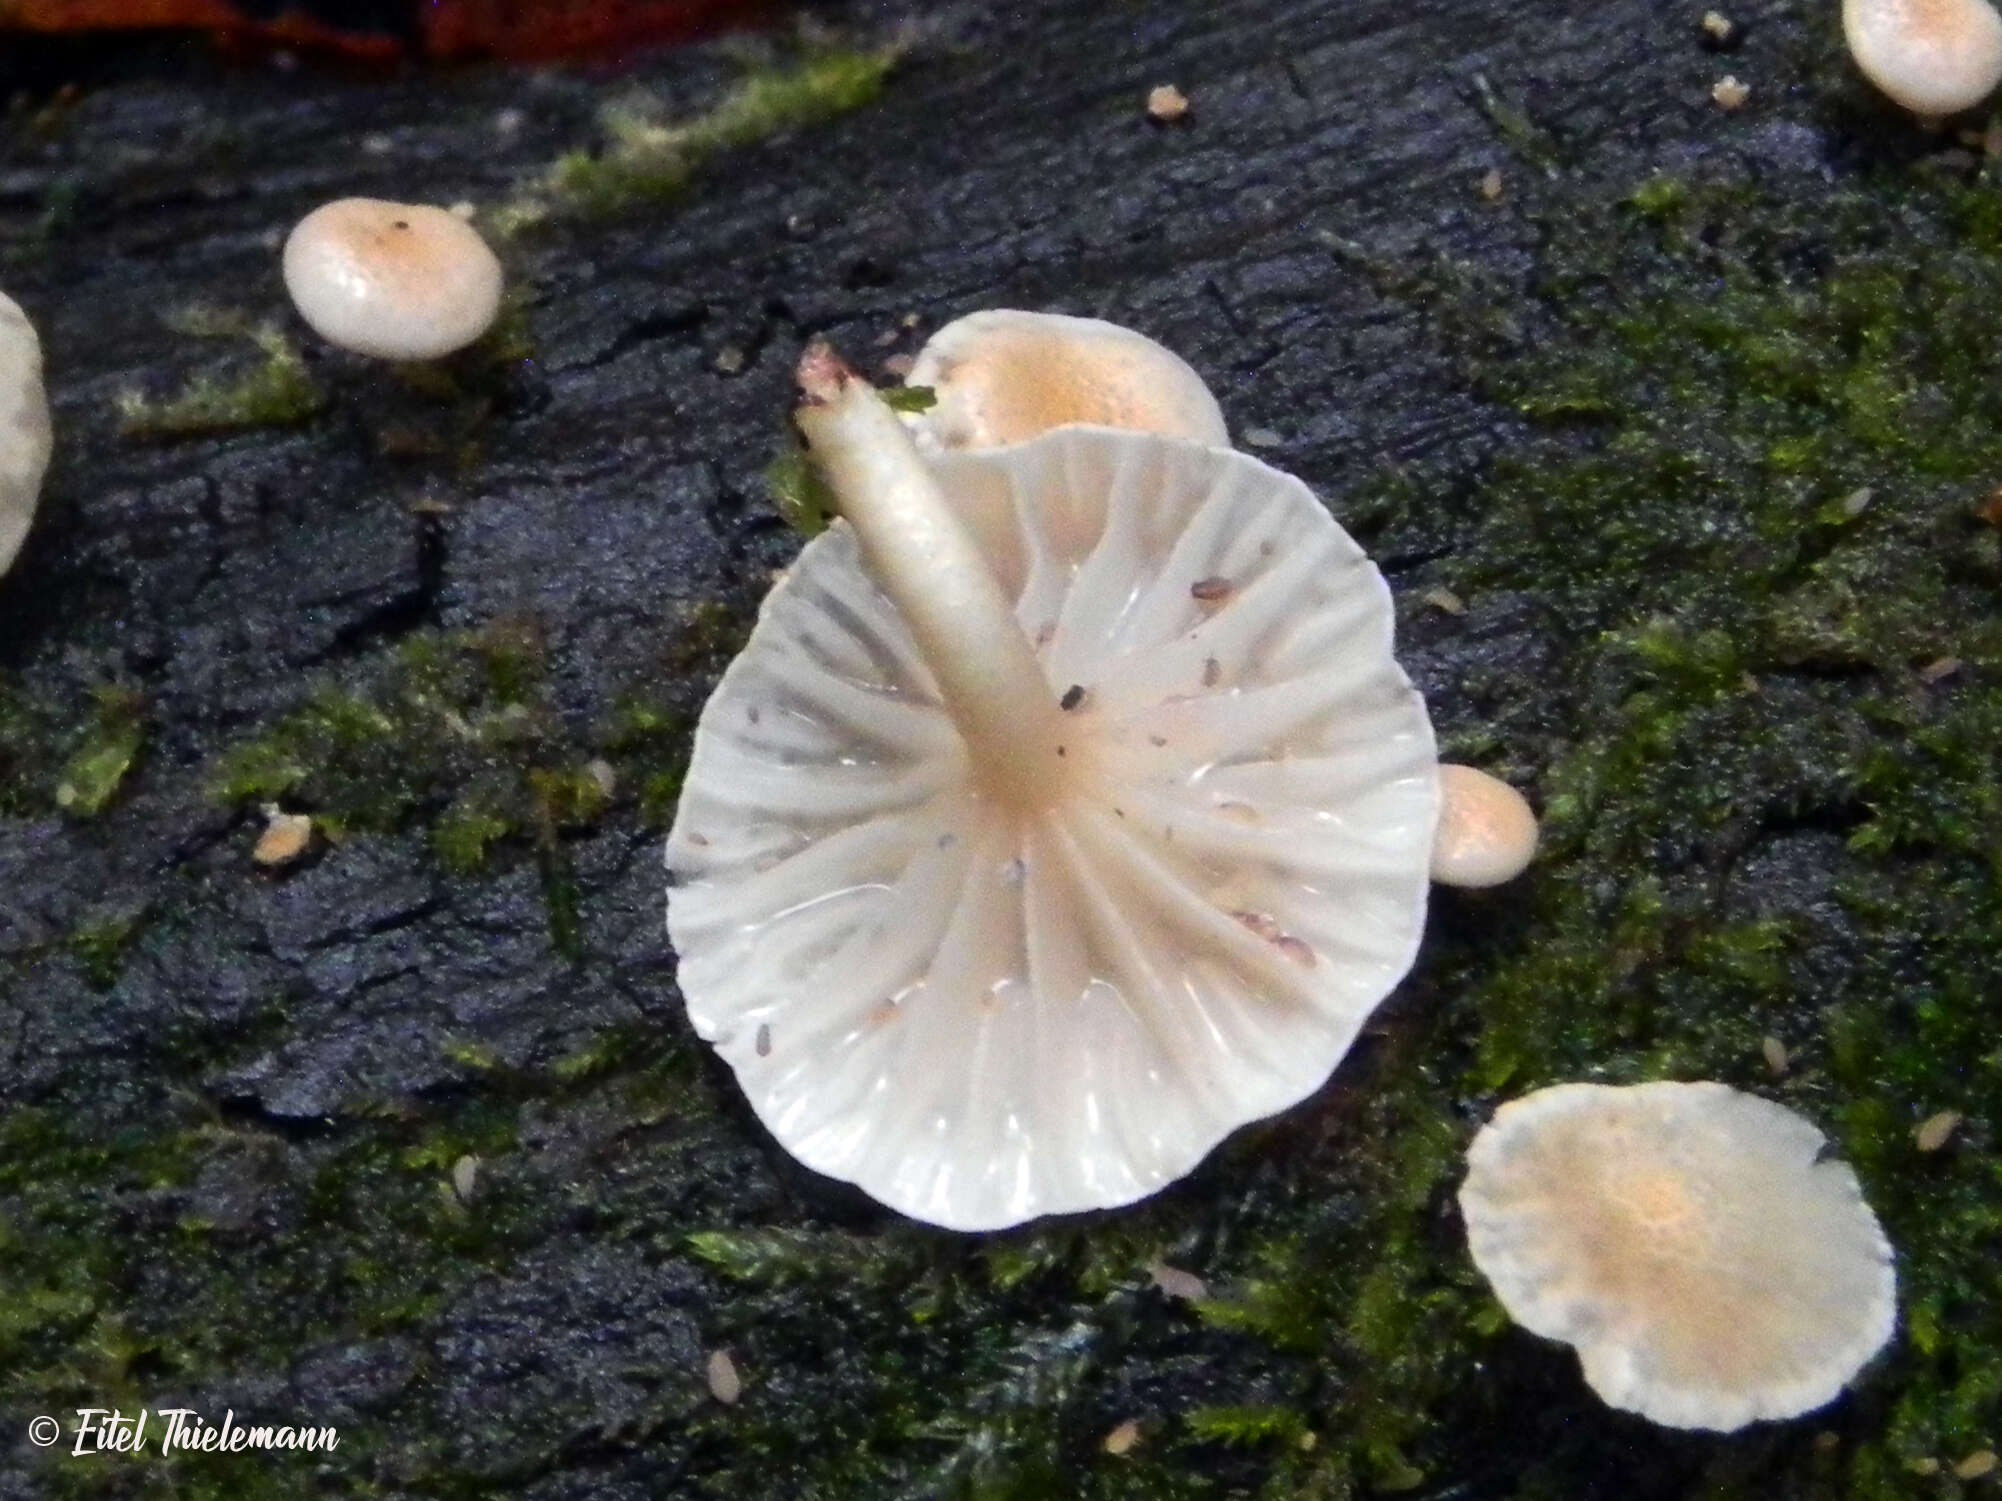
924	560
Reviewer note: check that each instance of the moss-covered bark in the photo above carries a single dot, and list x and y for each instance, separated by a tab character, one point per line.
1680	455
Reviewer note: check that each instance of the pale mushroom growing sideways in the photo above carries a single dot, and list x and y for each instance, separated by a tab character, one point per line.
1044	834
1934	57
1003	375
25	439
1689	1239
395	281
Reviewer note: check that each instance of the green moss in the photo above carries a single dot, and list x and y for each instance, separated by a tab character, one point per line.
101	944
450	734
274	392
1244	1427
801	496
97	767
645	160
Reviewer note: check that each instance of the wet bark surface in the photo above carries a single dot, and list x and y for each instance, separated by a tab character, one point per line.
241	1103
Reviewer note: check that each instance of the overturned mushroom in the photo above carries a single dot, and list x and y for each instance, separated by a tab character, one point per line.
396	281
1689	1240
1002	376
992	958
25	438
1005	376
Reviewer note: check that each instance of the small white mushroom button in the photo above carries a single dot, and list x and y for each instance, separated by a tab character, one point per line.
1934	57
396	281
1486	833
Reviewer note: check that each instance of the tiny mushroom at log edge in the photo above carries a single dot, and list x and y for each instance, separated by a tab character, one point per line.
25	436
1065	811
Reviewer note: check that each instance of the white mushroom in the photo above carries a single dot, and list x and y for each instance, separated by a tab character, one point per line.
1711	1269
25	437
1934	57
1002	376
1486	834
1005	376
1044	835
397	281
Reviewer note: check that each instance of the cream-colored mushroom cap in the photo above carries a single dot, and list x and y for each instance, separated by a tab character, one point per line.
25	438
1711	1269
1934	57
398	281
1003	376
1487	832
1023	920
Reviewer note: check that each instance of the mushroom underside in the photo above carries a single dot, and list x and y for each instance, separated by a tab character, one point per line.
981	1012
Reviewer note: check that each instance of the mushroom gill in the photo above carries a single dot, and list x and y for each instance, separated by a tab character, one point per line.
1046	833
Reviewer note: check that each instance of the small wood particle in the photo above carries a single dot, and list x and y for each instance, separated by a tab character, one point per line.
764	1039
1776	1055
466	1177
730	360
1210	591
1177	1283
285	838
725	1385
1492	186
1935	1131
600	771
1934	672
1981	1462
1166	103
1717	27
1730	92
1073	696
1295	949
1260	923
900	366
1212	672
1446	600
1123	1439
1926	1465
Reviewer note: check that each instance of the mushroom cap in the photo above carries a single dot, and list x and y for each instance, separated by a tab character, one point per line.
982	1015
25	436
1934	57
1487	831
1004	376
1688	1239
397	281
